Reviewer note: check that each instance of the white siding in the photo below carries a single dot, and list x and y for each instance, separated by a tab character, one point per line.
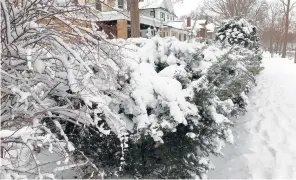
166	14
157	14
147	12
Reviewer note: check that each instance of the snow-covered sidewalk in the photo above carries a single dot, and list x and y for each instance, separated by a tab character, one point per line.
265	144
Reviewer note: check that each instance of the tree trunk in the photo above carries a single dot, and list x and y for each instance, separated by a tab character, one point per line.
276	47
295	57
270	46
135	18
280	47
286	30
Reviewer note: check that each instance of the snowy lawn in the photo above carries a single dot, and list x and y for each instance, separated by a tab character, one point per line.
265	137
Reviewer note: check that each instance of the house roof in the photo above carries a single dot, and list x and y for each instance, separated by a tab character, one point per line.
210	27
115	15
176	24
183	25
195	25
201	22
164	4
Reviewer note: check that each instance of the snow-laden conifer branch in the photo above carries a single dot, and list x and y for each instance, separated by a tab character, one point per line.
51	76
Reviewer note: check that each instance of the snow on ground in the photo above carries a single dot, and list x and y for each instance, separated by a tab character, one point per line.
265	137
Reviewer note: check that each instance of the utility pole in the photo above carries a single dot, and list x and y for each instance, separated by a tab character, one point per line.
284	52
135	18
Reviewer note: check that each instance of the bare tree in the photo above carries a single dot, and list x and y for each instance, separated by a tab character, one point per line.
177	1
250	9
199	13
288	8
272	32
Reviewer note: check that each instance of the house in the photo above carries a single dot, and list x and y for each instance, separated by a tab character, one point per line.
156	15
195	28
192	28
210	30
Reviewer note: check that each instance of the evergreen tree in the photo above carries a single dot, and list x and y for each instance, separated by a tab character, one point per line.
206	83
238	31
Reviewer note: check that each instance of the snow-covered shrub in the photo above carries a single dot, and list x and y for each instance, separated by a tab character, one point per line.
241	36
153	108
179	98
211	79
238	31
52	73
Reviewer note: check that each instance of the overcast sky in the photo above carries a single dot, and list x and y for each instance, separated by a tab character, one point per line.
189	5
186	7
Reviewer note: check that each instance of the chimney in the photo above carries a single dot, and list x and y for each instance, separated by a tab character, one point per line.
188	22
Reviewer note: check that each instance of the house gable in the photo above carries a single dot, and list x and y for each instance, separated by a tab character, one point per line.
165	5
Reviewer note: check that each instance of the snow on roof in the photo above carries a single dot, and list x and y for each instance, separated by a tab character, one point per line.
151	4
210	27
176	24
165	4
115	15
195	25
201	22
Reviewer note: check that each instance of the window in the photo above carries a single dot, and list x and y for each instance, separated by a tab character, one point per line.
129	31
152	13
184	37
120	4
180	37
168	17
162	16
